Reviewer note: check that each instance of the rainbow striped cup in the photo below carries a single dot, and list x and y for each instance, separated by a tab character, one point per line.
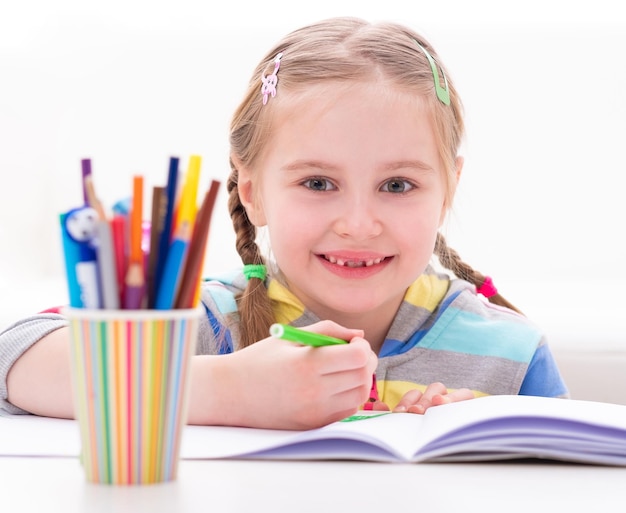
130	374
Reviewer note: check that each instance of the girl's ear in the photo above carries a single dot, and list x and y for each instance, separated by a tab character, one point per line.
247	196
458	164
458	168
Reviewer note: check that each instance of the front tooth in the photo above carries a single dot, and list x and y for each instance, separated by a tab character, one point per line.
353	263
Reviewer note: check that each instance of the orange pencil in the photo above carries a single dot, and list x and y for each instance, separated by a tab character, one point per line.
134	282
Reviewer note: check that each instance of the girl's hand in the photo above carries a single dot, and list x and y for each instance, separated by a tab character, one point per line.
279	384
416	401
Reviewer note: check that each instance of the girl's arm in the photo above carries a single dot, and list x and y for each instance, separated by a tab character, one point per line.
39	381
278	384
273	383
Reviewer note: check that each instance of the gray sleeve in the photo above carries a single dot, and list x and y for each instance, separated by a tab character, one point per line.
15	340
206	338
212	338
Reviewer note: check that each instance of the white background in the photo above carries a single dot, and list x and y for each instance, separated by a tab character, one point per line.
128	84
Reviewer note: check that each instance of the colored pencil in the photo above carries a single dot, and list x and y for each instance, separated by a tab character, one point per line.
118	229
134	279
165	238
107	271
85	165
159	208
177	252
92	199
190	279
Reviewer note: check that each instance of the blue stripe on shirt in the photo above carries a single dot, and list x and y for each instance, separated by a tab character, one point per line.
460	331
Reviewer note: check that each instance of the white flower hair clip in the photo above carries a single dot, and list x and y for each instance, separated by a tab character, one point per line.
269	82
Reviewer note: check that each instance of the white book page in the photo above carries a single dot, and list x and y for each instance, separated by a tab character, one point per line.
391	437
554	426
561	426
541	426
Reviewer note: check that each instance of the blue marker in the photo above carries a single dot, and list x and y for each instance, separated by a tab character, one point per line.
78	229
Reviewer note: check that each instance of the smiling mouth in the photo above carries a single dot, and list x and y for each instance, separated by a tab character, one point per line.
350	262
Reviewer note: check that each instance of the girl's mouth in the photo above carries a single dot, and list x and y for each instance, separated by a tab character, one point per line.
353	262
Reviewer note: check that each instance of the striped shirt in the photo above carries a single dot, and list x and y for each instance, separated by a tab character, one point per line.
443	331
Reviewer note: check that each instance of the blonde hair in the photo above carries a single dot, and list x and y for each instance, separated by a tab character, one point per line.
339	50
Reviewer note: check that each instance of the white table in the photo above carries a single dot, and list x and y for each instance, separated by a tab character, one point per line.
58	485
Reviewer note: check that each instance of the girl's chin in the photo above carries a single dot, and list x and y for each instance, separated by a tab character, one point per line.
349	302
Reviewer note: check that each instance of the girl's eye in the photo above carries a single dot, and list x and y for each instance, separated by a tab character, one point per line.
318	184
397	185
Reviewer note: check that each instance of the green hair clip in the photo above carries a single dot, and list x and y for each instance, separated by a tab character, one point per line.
255	271
442	93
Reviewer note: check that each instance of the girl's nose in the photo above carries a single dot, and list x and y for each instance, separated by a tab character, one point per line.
357	218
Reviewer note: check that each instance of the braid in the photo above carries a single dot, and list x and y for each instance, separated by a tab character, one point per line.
254	306
451	260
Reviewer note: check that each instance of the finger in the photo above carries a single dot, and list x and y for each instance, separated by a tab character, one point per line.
351	399
432	390
331	398
356	355
409	399
425	401
462	394
356	383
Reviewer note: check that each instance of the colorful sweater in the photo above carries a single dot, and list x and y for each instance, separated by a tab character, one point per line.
443	331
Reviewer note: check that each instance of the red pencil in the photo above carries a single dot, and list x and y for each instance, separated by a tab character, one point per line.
118	227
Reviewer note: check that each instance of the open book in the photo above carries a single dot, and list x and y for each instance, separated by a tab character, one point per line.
488	428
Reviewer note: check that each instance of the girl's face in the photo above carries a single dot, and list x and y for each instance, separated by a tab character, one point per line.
352	191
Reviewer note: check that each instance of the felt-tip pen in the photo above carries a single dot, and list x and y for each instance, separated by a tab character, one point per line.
303	337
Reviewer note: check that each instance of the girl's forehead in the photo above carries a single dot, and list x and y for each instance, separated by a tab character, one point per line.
364	102
351	121
329	93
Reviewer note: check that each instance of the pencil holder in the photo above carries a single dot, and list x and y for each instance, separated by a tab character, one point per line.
130	375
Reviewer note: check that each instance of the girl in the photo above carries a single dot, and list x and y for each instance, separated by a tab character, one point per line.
345	150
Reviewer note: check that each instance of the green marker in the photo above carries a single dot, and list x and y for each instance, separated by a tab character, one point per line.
303	337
